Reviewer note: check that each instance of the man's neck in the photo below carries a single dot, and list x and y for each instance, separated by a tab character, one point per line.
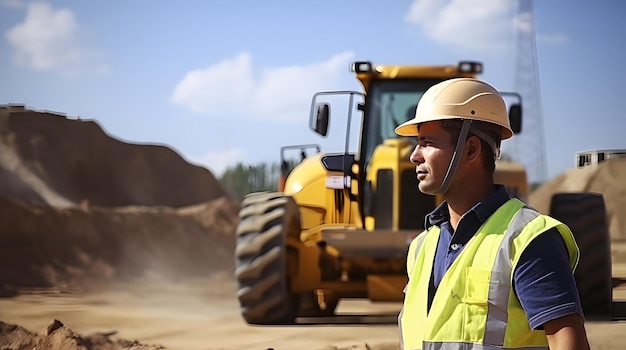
461	200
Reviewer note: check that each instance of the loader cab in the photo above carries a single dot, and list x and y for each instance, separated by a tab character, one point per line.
388	104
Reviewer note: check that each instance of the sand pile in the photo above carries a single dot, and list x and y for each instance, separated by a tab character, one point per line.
79	207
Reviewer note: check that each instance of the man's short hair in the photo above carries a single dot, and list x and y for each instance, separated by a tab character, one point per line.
488	133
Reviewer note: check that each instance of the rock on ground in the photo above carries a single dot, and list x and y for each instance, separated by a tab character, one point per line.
58	337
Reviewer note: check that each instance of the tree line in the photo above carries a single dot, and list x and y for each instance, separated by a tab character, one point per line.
242	179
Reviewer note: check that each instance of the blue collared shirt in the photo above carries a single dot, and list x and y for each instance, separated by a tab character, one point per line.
543	280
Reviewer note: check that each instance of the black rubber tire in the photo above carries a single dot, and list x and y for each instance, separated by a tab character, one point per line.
260	259
585	215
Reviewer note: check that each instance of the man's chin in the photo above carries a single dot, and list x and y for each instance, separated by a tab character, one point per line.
427	188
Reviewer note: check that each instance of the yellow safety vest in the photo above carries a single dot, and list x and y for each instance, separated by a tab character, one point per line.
475	306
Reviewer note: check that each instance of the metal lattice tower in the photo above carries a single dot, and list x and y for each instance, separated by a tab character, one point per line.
529	146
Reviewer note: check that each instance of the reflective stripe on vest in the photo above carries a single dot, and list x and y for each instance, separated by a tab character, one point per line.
497	316
470	346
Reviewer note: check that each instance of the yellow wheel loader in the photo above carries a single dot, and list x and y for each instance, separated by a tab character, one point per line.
341	223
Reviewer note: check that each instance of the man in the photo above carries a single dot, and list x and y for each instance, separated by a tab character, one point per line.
488	272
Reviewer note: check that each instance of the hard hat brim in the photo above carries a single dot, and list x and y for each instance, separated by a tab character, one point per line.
409	128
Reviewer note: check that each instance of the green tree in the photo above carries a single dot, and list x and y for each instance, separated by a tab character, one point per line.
242	179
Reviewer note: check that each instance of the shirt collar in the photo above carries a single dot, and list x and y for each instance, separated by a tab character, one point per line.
483	210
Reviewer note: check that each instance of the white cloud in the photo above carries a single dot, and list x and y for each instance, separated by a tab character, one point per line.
217	162
478	25
232	89
217	88
51	39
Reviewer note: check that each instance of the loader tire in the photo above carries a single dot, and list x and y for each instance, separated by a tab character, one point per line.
260	259
585	215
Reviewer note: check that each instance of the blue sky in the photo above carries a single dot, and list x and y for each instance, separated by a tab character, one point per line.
222	82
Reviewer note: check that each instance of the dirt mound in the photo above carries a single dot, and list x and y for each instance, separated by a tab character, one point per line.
606	178
79	208
58	337
48	158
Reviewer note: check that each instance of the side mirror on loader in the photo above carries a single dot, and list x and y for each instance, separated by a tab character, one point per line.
321	120
515	118
515	111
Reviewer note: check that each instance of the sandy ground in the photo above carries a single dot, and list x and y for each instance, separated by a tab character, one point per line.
203	314
194	315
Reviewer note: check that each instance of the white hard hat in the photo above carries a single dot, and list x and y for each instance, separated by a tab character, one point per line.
460	98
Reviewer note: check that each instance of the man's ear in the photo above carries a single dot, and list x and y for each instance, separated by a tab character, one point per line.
473	148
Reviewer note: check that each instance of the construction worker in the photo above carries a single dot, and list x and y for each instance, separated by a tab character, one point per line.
488	272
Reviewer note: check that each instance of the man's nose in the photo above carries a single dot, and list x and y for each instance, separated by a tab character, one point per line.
416	156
